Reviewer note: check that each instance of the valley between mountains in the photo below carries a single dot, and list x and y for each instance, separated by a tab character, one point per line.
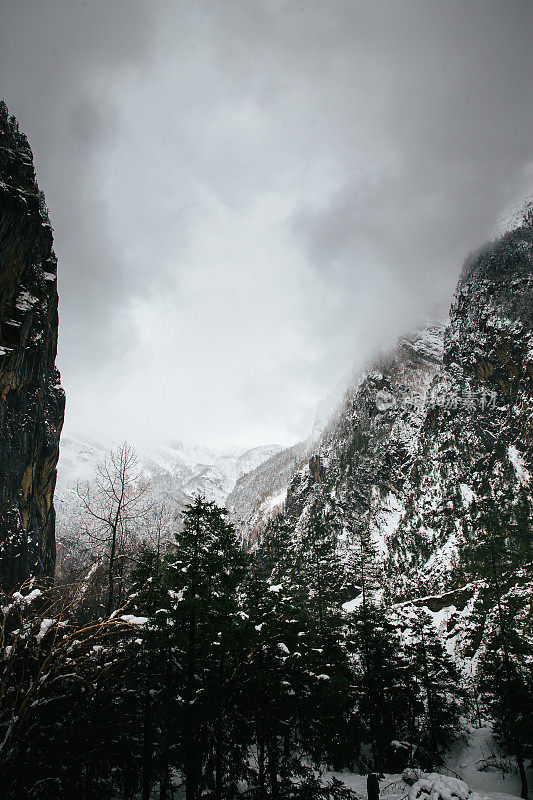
272	623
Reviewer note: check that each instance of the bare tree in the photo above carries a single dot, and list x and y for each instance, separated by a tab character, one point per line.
160	526
114	508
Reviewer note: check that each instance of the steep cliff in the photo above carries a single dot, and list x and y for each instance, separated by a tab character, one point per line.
430	456
31	399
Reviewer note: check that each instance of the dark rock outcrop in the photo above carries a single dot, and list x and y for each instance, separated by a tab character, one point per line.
31	399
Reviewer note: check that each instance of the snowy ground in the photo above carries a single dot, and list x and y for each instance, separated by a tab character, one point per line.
474	759
393	788
478	764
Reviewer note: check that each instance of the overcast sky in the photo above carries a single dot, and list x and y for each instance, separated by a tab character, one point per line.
250	196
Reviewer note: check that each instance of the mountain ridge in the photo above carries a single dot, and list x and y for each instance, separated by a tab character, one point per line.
430	456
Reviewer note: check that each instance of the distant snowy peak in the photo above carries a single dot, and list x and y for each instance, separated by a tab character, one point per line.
253	458
175	473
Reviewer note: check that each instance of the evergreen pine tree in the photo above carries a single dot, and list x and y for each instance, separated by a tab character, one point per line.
317	568
505	676
205	578
438	692
385	696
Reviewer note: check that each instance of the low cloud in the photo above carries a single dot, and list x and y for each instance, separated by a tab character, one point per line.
249	198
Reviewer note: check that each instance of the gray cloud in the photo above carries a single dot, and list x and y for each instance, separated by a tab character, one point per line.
249	197
56	59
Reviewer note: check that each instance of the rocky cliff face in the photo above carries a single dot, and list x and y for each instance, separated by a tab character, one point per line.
471	479
358	472
31	399
431	454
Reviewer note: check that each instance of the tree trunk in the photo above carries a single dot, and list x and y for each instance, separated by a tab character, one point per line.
164	777
476	701
129	778
111	575
261	765
218	758
272	751
89	779
523	778
147	747
191	768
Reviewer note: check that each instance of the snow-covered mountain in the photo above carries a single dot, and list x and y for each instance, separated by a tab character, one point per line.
262	491
431	455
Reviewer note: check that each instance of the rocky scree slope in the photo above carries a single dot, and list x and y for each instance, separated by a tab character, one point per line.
31	399
431	454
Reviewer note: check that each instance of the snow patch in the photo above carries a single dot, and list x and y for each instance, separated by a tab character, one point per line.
25	301
133	620
517	460
433	786
351	605
467	494
46	624
275	501
27	599
386	522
